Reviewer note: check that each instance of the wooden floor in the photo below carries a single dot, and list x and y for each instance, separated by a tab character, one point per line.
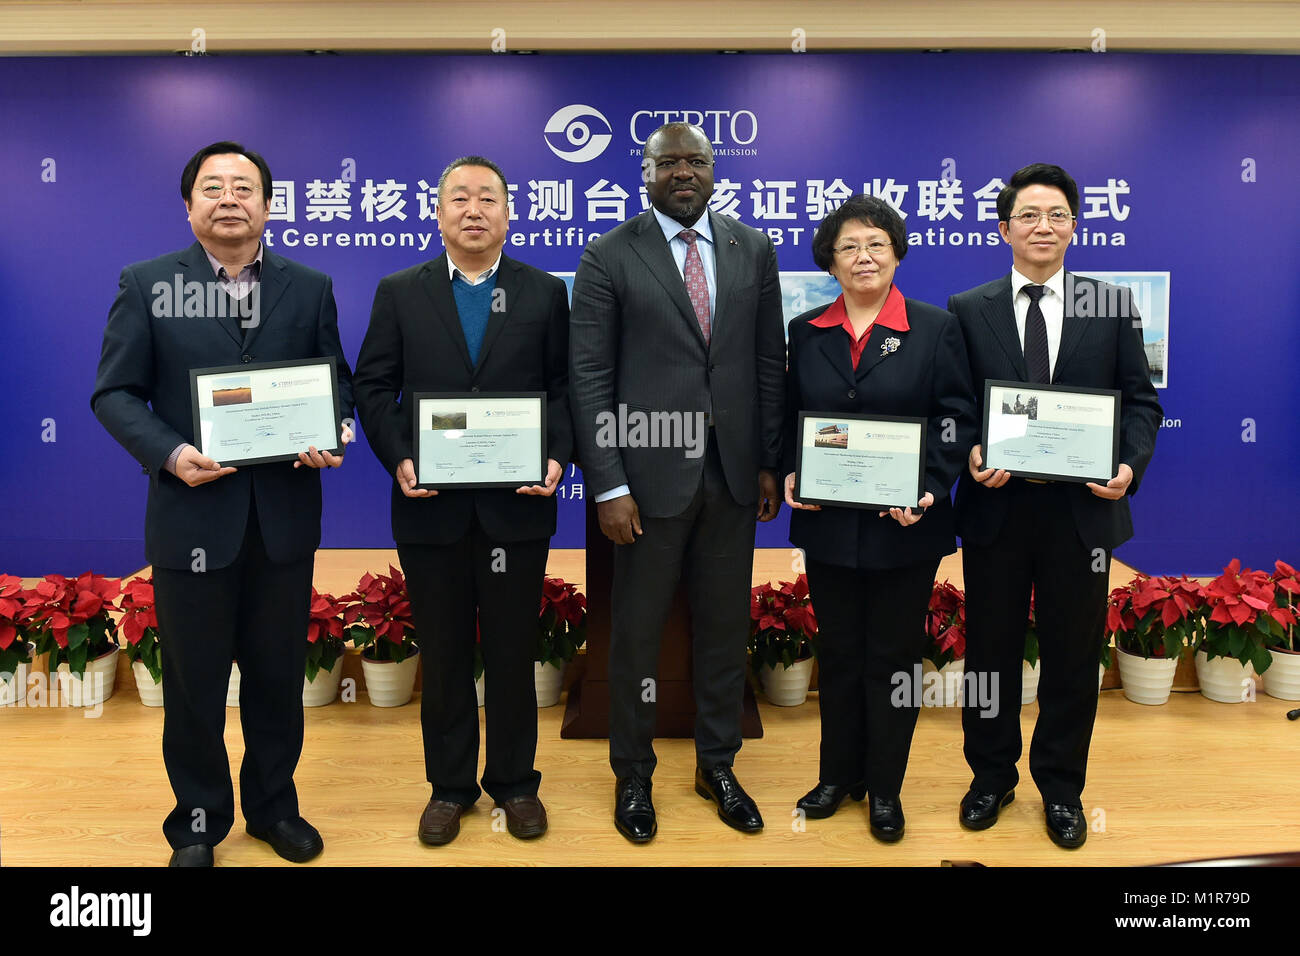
1190	779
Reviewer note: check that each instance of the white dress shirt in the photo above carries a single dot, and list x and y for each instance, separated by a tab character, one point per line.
1052	303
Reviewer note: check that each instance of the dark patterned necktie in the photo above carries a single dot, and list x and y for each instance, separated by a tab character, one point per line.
1036	351
697	287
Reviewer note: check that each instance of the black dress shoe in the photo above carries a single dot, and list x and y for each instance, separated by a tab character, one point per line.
825	798
887	819
196	854
734	805
634	813
1065	825
979	810
293	838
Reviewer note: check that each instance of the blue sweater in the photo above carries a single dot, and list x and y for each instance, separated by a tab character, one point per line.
474	306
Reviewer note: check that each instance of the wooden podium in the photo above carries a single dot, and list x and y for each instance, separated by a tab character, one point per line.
586	714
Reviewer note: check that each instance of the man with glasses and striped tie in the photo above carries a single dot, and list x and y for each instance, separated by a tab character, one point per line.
1052	539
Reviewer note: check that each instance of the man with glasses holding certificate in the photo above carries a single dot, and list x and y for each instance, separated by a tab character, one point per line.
1051	537
232	546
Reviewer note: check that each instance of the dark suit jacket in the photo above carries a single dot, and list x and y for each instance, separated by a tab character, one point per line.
142	396
637	342
415	343
926	376
1101	349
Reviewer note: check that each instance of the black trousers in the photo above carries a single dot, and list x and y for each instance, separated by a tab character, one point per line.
711	545
871	629
1037	549
254	611
499	585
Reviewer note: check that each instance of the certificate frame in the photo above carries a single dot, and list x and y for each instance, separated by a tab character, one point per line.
809	419
318	366
993	393
425	403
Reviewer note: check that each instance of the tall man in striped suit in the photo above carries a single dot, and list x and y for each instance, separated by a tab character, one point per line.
677	323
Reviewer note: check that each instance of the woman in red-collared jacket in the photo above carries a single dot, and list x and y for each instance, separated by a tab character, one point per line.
870	573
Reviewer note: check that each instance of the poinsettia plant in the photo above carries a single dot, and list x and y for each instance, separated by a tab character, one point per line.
1244	616
69	619
945	625
561	622
782	626
13	626
139	625
377	616
325	640
1153	617
1288	597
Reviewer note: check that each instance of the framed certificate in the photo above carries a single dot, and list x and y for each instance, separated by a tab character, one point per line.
266	411
479	439
1050	432
859	461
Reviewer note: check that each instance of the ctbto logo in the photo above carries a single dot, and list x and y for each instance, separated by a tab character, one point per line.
730	127
577	133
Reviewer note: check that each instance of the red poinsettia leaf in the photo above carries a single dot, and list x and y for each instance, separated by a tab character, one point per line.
1255	602
1240	613
1170	614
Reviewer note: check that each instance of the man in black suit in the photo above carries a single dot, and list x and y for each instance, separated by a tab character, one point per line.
232	549
1051	539
470	320
677	312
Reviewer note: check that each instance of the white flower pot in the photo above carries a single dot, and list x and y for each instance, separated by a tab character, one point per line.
1282	679
1223	679
787	686
390	683
479	689
323	690
1101	676
232	689
151	691
549	680
1029	681
13	687
949	681
1146	680
94	687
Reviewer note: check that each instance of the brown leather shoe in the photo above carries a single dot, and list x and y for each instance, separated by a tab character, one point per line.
440	822
525	816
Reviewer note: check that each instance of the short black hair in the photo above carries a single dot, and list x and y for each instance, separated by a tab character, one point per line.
191	171
1042	174
473	161
869	210
674	128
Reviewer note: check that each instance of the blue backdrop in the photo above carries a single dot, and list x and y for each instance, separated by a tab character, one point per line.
1187	165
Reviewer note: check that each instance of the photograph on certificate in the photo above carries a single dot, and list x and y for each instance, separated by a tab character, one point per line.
254	414
480	440
858	462
1051	432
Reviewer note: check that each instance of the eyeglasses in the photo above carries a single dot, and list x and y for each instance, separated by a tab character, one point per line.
1030	217
851	250
215	191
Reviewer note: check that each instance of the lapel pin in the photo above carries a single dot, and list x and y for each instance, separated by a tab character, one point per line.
733	242
890	344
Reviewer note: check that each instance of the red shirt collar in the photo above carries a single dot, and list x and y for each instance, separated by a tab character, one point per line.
893	315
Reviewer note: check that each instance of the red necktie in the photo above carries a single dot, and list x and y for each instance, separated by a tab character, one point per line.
697	287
